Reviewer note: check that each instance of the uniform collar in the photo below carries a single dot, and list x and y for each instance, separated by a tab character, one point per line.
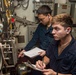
65	51
49	30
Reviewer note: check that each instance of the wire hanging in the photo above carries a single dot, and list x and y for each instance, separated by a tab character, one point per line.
21	3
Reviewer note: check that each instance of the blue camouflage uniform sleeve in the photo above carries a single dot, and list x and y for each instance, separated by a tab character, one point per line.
34	40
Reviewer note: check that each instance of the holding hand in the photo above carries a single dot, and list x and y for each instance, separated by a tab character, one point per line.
40	64
49	72
42	53
21	54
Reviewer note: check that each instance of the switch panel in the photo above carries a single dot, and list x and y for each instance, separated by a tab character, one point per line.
31	30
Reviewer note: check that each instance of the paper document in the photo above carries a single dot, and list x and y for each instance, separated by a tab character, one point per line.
33	52
32	66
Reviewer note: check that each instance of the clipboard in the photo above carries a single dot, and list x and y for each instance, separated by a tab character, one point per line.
29	64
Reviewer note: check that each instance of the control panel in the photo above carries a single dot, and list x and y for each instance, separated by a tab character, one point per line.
62	8
31	30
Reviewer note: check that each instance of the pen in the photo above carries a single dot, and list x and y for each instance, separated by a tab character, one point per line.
41	65
30	64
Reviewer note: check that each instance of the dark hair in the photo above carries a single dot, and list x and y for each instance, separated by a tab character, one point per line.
44	9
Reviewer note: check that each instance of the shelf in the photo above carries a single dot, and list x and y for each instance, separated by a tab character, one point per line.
8	52
7	58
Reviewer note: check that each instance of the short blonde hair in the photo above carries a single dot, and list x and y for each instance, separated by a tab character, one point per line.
63	19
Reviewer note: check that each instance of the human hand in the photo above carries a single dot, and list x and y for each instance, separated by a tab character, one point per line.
40	64
49	72
42	53
21	54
